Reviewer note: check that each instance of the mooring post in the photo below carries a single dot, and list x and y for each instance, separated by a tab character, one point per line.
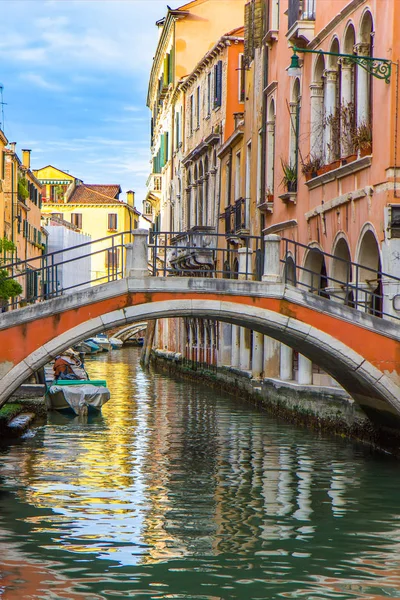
137	255
272	262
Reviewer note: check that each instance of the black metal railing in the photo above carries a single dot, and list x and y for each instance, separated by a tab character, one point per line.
350	283
41	277
199	253
235	217
301	10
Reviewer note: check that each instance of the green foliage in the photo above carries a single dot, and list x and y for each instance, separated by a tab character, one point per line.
6	246
9	411
23	191
8	287
289	174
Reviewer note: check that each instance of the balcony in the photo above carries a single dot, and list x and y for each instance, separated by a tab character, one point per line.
235	219
301	21
193	250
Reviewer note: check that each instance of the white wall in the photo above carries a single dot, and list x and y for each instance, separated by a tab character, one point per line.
76	272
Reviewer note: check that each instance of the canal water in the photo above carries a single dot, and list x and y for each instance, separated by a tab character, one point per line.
177	491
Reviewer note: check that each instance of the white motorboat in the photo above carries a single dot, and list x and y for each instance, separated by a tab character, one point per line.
101	340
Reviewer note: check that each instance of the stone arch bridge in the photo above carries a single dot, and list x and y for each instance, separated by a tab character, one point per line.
359	350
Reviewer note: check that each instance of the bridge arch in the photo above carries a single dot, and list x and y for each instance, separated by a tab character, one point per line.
373	390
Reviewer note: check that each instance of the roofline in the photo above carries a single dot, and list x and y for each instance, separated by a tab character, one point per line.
57	169
3	138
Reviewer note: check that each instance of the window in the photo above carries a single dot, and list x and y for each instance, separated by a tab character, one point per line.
148	209
112	259
209	92
237	176
241	78
112	222
76	219
198	107
218	84
191	114
177	129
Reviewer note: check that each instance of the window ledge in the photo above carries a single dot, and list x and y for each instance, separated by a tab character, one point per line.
353	167
266	207
270	37
289	197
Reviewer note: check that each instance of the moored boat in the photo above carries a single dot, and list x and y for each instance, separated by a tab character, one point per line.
116	343
101	340
72	389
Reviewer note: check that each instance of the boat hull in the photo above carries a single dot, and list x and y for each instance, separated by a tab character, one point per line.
81	397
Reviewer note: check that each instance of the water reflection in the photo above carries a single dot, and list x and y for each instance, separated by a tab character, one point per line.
178	492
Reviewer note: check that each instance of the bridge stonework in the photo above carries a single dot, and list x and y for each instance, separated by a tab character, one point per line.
360	351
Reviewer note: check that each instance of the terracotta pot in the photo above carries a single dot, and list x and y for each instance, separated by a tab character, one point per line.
323	169
349	159
334	165
366	151
270	197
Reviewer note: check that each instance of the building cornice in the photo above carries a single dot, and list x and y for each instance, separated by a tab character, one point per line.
333	23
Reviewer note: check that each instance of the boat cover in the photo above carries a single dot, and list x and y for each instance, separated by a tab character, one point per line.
80	396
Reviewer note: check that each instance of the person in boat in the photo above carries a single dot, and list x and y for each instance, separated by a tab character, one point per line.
64	366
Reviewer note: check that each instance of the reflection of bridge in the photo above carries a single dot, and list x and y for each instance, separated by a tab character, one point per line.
358	348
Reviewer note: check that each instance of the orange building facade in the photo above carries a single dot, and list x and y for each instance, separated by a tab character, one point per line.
305	148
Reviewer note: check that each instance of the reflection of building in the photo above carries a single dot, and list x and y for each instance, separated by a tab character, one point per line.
95	210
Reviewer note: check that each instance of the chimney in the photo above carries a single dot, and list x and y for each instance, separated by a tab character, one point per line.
130	198
12	146
26	158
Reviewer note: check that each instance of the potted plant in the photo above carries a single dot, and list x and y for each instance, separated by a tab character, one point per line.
289	179
269	195
362	139
310	167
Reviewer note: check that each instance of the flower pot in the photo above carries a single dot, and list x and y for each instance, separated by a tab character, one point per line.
349	159
292	186
323	169
334	165
270	197
366	150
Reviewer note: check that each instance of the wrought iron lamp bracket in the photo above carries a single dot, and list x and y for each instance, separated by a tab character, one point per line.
381	68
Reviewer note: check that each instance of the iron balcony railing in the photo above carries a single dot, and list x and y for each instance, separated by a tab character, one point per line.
235	217
300	10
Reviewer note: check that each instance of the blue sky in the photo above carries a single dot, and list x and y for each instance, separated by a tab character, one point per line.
75	75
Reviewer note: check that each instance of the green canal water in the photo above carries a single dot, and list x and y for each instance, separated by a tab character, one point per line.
177	491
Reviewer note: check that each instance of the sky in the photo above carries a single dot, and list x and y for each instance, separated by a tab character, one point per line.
74	76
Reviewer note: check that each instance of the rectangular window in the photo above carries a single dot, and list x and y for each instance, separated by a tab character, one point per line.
191	114
112	259
198	108
177	129
76	219
112	222
209	93
237	176
218	84
241	78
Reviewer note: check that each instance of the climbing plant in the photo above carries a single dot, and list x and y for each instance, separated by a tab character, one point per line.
9	288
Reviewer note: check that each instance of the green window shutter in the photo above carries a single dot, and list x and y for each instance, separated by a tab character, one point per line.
166	151
162	151
166	70
171	66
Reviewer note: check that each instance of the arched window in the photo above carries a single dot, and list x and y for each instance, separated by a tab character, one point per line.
331	106
148	209
317	95
270	148
207	216
200	196
294	124
364	82
188	199
195	184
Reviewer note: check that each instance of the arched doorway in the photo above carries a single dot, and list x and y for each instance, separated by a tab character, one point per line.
369	275
314	273
341	274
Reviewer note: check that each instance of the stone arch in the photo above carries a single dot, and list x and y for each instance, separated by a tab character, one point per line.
369	273
366	27
364	382
289	272
341	272
314	274
332	62
319	68
349	38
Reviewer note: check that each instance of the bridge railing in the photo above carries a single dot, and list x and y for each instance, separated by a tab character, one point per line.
200	252
44	277
358	286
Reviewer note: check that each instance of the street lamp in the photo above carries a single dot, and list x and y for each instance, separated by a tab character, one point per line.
381	68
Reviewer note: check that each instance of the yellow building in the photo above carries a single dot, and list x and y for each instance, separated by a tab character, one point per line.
95	210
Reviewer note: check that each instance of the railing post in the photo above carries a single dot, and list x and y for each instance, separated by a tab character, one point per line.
136	264
245	263
272	263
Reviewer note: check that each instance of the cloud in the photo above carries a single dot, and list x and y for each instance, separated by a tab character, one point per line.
41	82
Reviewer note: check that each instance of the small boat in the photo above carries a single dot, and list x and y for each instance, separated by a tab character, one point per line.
88	347
80	395
102	341
116	343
